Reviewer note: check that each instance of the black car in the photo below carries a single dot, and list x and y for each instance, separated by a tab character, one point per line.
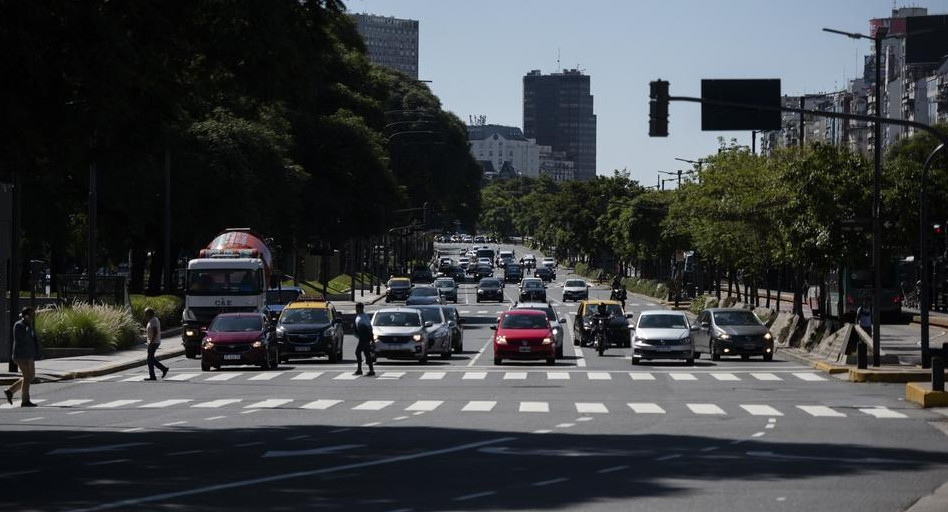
397	288
456	273
422	275
482	271
544	273
278	298
310	329
532	289
513	273
490	289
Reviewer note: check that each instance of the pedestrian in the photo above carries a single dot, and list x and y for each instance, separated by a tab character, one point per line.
25	351
153	339
363	331
864	315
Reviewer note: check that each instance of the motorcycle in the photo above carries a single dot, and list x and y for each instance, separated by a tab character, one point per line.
618	294
600	337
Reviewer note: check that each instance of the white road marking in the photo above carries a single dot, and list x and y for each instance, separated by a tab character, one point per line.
114	404
710	448
402	418
557	375
668	457
269	403
820	411
95	449
19	473
758	434
266	376
580	360
611	470
424	405
320	405
75	412
641	376
37	418
391	375
307	376
591	408
482	312
70	403
134	378
182	376
543	431
761	410
809	377
479	406
214	418
882	412
705	409
102	378
474	376
515	376
480	352
765	376
174	423
221	377
599	376
165	403
213	404
725	376
373	405
346	376
373	424
432	376
770	426
315	451
534	407
646	408
682	376
475	495
566	425
549	482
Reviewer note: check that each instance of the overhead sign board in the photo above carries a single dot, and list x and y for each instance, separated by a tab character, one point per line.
748	95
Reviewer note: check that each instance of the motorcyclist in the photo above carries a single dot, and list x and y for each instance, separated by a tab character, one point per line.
600	320
618	290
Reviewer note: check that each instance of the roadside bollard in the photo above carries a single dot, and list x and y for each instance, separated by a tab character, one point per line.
862	357
938	373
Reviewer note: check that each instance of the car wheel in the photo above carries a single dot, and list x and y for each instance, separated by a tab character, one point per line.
497	361
697	355
190	353
423	359
559	352
334	355
690	362
275	360
205	367
745	357
714	352
551	361
446	353
768	357
635	361
460	347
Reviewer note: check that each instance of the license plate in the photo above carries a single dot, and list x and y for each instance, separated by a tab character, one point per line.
525	349
750	346
662	348
301	349
231	357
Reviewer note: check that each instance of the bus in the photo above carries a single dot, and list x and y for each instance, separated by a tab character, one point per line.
854	287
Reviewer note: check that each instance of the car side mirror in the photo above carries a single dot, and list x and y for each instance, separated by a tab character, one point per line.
705	325
630	316
428	324
337	321
460	321
493	327
562	320
694	327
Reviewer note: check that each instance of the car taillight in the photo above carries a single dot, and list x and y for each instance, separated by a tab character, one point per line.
849	299
896	299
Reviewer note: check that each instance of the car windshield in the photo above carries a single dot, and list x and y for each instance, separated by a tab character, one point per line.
573	283
662	321
277	297
550	314
424	292
444	283
611	309
432	315
236	324
304	316
532	284
213	281
450	313
396	319
524	322
735	318
399	284
489	283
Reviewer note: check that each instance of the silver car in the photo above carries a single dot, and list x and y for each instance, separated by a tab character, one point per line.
663	335
400	333
556	323
575	289
439	330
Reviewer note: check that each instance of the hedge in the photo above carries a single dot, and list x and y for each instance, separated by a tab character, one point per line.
104	328
167	308
646	287
703	302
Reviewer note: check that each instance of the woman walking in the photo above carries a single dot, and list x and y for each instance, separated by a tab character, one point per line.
25	351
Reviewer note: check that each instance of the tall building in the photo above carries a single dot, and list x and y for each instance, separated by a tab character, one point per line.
391	42
502	145
558	112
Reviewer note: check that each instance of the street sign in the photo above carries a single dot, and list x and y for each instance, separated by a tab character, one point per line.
751	92
856	224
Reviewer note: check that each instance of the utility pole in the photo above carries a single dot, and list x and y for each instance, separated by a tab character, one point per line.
167	224
93	217
876	207
679	178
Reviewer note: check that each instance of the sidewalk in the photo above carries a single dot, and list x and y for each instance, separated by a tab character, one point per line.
80	367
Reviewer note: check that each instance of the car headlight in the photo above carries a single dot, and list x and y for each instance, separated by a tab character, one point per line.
501	340
417	337
257	344
189	332
208	344
685	337
547	341
328	332
722	335
768	337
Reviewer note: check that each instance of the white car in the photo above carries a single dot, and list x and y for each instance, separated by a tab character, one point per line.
662	334
549	263
575	290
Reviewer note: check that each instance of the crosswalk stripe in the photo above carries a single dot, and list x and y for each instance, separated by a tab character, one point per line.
16	405
482	312
591	408
599	376
345	376
725	376
307	376
765	376
882	412
820	411
221	377
682	376
474	376
102	378
271	403
641	376
214	404
71	403
320	405
534	407
761	410
424	405
479	406
392	375
134	378
646	408
515	376
113	404
433	375
809	377
705	409
557	375
373	405
266	376
165	403
183	376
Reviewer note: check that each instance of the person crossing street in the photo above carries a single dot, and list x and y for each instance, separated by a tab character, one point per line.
153	338
26	350
363	331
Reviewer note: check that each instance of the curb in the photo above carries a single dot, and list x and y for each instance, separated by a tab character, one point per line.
921	393
934	502
889	376
105	370
933	321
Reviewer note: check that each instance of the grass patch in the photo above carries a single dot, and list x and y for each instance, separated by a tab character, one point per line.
337	285
167	308
102	327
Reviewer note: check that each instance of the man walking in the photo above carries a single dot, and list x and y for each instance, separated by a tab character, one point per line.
363	331
864	315
153	338
25	351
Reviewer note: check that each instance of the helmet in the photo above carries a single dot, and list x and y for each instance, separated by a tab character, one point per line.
601	308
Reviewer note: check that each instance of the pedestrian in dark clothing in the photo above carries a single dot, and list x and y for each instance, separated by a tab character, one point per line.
153	339
26	350
363	331
864	316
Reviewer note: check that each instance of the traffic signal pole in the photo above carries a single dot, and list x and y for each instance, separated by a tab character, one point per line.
923	230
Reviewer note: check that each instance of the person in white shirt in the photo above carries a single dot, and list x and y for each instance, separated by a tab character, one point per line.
153	338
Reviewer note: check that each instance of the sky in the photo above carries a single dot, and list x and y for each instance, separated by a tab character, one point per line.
476	52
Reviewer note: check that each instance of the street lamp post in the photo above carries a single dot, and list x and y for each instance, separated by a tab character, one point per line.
923	228
880	35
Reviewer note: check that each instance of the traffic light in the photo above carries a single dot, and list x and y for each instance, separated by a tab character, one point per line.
658	109
938	230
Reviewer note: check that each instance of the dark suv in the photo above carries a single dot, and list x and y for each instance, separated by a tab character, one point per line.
422	275
513	273
732	332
